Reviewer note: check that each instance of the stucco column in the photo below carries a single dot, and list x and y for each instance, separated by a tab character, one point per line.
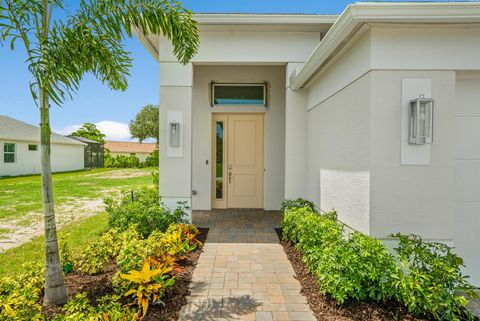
295	139
175	159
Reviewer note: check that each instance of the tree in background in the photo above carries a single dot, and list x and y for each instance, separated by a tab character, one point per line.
90	131
145	124
60	51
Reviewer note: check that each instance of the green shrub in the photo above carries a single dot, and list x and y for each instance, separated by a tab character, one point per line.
359	268
355	268
19	296
430	280
121	161
96	257
107	308
152	159
424	276
297	203
144	209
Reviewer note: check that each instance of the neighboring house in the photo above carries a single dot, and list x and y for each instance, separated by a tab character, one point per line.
20	143
317	106
141	150
93	151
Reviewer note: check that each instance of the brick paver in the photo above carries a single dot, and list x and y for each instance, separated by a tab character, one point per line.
243	273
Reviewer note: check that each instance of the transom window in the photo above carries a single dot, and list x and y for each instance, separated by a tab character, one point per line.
32	147
8	153
239	94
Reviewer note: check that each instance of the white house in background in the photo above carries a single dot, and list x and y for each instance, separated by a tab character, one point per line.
318	106
20	143
141	150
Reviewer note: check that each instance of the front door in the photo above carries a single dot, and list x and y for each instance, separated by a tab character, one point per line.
237	169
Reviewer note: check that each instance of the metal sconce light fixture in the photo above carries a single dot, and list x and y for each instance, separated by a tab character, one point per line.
421	121
174	129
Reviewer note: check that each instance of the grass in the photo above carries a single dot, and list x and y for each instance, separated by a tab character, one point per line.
22	195
79	235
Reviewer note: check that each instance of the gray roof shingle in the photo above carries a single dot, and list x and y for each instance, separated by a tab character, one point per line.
15	130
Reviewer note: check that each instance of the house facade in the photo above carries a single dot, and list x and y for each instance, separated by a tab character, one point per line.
141	150
20	143
374	112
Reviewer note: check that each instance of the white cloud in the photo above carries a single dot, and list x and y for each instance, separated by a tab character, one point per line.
113	130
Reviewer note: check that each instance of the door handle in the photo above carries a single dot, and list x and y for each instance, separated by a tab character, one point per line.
229	177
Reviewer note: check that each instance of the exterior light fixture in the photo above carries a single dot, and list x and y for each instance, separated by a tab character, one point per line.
421	121
174	129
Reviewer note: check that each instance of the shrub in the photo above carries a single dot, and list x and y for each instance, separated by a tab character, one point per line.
144	209
19	296
355	268
152	159
424	276
150	284
121	161
108	308
297	203
430	281
96	257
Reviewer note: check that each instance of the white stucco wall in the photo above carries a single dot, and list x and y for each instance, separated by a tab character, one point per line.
437	195
338	154
411	198
274	127
250	46
63	157
467	172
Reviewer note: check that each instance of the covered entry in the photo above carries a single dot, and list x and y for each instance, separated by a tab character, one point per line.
237	160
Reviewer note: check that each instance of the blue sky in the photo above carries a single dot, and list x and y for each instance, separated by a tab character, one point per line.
113	110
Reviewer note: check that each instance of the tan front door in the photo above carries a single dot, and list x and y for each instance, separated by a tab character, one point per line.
238	166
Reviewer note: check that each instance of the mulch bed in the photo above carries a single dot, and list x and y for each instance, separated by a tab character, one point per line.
325	308
96	286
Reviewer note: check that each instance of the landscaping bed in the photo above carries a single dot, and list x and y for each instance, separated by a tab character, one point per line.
351	275
96	286
325	308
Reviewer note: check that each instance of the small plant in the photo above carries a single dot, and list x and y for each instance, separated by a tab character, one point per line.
19	296
143	209
151	284
66	255
297	203
430	281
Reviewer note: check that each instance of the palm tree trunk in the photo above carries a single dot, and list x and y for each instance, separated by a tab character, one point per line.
55	290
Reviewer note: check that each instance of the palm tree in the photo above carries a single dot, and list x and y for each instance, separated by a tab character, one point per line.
62	50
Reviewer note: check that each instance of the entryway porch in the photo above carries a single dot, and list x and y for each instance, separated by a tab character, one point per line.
243	273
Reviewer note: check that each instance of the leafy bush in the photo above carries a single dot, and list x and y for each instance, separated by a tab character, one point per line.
108	308
19	296
144	209
151	284
297	203
152	159
95	258
424	276
355	268
430	279
121	161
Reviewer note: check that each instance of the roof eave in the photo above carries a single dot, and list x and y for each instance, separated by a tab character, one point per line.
360	13
263	19
147	43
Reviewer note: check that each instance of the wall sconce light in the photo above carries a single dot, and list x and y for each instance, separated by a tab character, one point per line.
174	129
421	121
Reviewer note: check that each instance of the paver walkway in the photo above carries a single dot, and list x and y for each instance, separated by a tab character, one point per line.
243	273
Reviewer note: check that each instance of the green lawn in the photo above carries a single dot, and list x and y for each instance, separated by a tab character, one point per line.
80	234
22	195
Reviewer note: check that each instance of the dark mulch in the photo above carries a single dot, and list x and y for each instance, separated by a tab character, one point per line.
96	286
326	309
